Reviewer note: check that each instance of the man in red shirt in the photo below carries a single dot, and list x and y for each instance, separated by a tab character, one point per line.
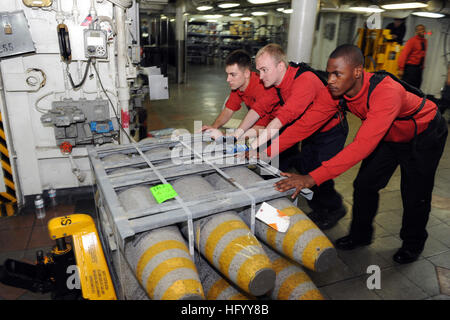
245	87
383	142
412	57
297	88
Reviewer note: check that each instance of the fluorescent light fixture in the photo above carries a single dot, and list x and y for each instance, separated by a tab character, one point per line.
172	20
367	9
204	8
227	5
280	9
212	16
259	13
261	1
406	5
236	14
428	14
288	11
246	18
211	20
163	17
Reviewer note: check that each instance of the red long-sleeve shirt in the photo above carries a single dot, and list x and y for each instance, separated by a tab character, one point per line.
389	100
298	93
255	97
412	53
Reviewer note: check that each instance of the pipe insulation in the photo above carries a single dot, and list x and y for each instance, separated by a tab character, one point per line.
160	258
227	243
214	285
292	282
303	242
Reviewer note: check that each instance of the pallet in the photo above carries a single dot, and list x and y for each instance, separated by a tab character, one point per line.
125	224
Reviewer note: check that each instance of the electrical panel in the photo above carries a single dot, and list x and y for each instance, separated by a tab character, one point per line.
95	45
15	37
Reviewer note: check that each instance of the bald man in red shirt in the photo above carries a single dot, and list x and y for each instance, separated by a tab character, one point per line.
398	128
412	58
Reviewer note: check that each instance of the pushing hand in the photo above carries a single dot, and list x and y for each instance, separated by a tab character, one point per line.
296	181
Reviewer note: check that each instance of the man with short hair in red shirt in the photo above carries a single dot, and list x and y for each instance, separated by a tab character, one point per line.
398	128
412	58
245	87
297	86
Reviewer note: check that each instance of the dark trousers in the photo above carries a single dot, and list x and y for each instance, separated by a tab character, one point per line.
444	102
417	180
319	147
412	74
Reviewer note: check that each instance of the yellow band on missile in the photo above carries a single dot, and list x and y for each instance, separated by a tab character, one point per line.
280	264
293	233
313	250
217	234
164	268
249	268
290	283
216	289
236	246
181	288
156	249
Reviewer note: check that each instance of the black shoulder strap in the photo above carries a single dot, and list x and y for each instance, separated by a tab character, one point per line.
378	76
303	67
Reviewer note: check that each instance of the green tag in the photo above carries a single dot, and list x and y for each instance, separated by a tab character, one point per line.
163	192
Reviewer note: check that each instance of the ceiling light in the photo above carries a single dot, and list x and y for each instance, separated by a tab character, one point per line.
227	5
204	8
428	14
407	5
212	16
246	18
288	11
172	20
280	9
259	13
211	20
261	1
367	9
236	14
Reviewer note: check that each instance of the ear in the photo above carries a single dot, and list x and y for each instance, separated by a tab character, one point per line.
247	73
281	65
358	72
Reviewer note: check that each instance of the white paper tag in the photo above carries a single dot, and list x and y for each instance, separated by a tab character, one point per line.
273	217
